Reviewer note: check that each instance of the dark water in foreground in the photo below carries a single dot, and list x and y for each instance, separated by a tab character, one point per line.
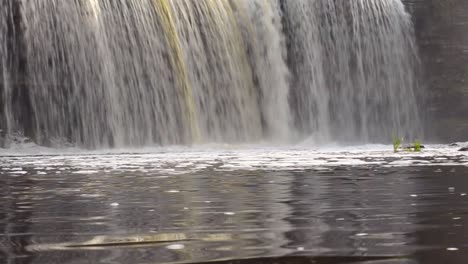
365	213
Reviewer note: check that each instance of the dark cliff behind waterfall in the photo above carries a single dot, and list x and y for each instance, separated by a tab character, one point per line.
442	32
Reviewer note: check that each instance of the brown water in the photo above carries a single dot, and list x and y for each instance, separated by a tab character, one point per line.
144	208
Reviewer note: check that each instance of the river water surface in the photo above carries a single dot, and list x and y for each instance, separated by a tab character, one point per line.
227	204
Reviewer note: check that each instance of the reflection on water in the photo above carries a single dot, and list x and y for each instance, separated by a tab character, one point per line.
54	211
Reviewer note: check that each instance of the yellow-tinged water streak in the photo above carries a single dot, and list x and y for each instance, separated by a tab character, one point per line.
224	16
241	52
164	11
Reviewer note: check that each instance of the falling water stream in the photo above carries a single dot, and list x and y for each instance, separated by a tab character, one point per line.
354	62
116	73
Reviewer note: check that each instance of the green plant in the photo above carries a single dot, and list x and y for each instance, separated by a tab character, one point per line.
397	143
417	145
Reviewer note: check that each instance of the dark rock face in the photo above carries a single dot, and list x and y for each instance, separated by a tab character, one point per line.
442	32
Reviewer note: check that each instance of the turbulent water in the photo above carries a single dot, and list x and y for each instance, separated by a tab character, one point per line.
105	73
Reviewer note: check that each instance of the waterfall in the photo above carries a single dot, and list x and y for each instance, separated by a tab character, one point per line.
116	73
4	71
354	63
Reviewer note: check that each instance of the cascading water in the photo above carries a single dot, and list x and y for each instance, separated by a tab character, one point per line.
354	63
4	70
12	91
126	73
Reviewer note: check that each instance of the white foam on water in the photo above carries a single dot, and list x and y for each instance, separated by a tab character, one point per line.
179	160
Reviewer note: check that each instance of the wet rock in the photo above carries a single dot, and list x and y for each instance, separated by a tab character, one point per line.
441	28
463	149
2	139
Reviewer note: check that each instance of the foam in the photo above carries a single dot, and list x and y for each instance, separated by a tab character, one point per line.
180	160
